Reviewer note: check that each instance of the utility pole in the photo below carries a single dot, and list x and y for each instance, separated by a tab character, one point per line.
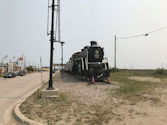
62	58
59	35
24	62
58	13
128	37
41	68
115	65
50	87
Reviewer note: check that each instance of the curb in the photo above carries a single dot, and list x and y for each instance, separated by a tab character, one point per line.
15	111
16	114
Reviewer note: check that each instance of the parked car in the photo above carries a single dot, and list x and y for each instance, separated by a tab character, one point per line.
21	73
10	75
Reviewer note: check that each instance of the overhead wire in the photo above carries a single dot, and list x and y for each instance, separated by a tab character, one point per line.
132	36
157	30
144	34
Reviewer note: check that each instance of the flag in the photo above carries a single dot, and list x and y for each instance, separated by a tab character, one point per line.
21	59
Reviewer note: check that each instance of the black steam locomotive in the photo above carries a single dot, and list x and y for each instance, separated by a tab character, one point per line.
90	64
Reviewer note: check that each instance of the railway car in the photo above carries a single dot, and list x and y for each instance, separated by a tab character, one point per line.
90	64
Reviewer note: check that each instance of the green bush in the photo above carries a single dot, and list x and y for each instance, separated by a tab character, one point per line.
160	71
1	75
30	69
114	70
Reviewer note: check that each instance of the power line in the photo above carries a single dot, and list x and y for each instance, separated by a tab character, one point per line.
132	36
144	34
157	30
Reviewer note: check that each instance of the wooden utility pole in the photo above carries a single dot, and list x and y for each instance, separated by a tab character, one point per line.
115	39
41	69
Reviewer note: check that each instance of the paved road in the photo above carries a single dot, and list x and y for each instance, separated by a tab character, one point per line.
11	90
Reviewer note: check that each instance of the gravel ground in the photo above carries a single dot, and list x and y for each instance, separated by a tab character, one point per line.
87	93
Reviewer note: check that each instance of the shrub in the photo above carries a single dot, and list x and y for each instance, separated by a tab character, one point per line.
114	70
160	71
30	69
1	75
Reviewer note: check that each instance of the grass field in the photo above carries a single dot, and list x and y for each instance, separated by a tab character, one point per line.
132	89
82	104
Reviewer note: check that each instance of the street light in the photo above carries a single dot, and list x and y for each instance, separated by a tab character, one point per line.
61	42
53	37
129	37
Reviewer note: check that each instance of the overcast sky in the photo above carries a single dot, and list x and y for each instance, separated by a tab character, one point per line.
23	30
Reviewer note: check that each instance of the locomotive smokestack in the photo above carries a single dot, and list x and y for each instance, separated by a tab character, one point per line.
93	43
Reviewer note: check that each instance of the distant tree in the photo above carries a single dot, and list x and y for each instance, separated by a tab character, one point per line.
1	75
114	69
160	71
30	69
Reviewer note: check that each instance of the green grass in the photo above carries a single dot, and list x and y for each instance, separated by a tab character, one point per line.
52	110
133	90
160	71
46	108
151	74
1	75
99	115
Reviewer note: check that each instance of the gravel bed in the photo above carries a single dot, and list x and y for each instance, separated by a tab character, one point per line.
87	93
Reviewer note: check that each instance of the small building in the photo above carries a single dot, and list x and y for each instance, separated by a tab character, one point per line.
13	67
3	68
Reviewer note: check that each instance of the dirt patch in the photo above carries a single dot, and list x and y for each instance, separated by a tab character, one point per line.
140	78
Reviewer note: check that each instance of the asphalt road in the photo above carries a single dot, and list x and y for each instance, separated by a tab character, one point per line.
12	89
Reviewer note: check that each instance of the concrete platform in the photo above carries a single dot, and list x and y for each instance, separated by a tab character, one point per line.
49	93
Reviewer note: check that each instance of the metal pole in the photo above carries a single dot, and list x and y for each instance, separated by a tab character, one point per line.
62	61
115	65
58	9
2	64
41	69
50	87
62	58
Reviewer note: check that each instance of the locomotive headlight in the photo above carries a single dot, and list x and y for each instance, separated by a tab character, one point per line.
96	54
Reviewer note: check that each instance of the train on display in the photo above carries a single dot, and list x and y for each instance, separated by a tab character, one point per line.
89	64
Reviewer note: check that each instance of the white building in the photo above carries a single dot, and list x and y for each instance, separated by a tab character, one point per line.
12	67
